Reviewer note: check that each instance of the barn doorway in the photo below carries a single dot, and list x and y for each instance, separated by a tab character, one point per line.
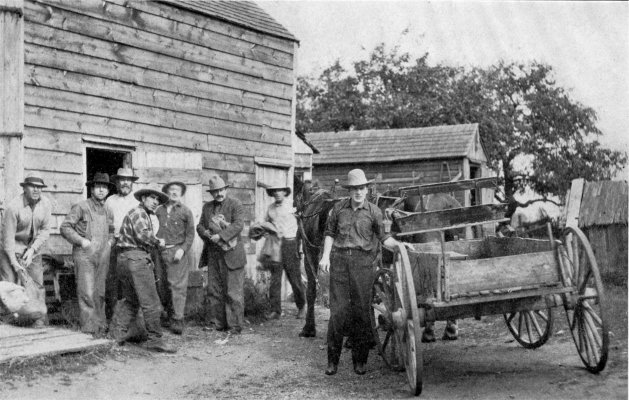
105	160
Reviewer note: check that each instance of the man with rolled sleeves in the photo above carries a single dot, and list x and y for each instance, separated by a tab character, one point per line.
176	227
26	225
89	227
120	204
281	214
353	231
222	221
136	274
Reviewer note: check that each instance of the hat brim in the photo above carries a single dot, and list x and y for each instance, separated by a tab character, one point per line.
116	177
39	185
224	187
178	183
163	198
369	182
92	183
270	190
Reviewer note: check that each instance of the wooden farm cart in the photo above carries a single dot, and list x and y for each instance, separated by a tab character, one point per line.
523	279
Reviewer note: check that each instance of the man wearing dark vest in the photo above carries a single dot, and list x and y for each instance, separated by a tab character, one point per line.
353	234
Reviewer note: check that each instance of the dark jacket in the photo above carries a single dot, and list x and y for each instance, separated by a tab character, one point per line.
233	213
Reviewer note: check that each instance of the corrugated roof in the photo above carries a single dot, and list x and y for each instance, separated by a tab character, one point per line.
603	203
244	13
386	145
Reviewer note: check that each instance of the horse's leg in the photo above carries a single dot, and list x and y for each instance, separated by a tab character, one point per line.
309	329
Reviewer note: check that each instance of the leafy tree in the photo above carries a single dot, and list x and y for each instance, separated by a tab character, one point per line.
519	108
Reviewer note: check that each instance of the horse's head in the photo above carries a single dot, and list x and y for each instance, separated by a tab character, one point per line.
314	215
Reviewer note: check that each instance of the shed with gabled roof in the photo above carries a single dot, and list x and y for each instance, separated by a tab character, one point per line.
402	157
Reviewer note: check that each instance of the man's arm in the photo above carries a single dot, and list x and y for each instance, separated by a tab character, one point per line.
67	228
324	263
237	223
202	229
142	229
44	230
187	244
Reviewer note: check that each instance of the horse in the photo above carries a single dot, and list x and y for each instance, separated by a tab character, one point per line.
312	211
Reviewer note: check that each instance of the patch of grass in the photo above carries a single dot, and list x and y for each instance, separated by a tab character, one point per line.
617	313
257	298
34	368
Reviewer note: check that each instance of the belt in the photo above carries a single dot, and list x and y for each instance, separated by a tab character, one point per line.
170	246
289	239
349	250
125	249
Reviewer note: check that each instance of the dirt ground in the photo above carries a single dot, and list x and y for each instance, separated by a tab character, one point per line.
270	361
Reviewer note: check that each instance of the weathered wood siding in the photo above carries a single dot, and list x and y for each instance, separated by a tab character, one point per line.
149	75
394	175
609	243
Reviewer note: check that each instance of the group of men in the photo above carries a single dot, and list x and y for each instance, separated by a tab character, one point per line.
121	240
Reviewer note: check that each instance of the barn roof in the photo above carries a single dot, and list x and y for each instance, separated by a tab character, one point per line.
386	145
603	203
244	13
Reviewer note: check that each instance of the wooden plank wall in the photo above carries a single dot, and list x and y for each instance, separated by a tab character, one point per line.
152	76
428	171
609	244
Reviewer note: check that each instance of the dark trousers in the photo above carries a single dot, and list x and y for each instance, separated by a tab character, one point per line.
112	289
138	291
290	264
226	290
90	272
311	257
351	276
172	284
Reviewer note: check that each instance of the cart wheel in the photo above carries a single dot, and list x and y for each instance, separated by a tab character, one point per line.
587	307
530	328
411	339
384	298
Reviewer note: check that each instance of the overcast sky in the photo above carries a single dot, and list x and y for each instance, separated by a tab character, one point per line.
587	43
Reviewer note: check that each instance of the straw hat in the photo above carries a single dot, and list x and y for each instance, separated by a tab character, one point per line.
125	173
169	184
356	177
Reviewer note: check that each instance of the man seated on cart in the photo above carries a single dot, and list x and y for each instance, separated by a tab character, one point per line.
350	253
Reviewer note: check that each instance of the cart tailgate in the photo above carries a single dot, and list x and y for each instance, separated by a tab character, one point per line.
510	272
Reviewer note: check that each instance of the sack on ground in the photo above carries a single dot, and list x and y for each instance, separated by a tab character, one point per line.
13	296
35	307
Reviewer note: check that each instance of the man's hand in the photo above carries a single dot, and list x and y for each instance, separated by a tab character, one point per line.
324	264
27	258
85	244
178	255
215	238
162	242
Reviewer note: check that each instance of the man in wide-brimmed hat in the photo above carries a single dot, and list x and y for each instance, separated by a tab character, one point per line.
281	214
89	227
176	227
350	252
26	225
135	272
120	204
222	221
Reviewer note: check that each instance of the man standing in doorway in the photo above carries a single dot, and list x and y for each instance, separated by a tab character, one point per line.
120	204
281	214
89	227
26	225
135	272
176	227
350	251
222	221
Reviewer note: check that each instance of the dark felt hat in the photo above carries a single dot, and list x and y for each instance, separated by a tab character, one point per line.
100	177
33	180
216	183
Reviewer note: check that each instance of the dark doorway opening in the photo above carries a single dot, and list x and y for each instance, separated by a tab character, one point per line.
475	173
108	161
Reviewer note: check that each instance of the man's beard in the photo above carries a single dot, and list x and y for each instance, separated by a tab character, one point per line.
125	190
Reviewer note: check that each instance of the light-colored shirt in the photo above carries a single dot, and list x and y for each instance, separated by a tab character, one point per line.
24	227
283	217
120	206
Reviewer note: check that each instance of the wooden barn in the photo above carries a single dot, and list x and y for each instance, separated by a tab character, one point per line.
303	156
403	157
600	210
174	89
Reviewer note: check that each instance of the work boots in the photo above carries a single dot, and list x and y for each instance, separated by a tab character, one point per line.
157	344
176	326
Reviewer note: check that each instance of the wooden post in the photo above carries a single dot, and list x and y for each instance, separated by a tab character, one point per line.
11	98
573	203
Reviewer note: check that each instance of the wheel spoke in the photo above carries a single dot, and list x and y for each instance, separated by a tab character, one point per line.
535	324
592	313
584	282
584	336
541	315
528	327
589	323
520	324
510	318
